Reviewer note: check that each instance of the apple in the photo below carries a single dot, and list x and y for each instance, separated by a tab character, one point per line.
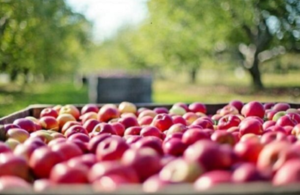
212	178
68	149
25	151
174	147
70	109
89	108
151	142
272	156
176	128
177	135
223	137
12	143
209	154
147	112
67	125
228	110
106	113
228	121
271	136
128	121
4	148
56	141
131	139
133	130
94	141
294	117
197	107
180	171
162	121
287	174
145	162
204	123
177	119
177	110
127	107
190	117
192	135
74	130
87	160
248	150
18	134
36	141
10	126
237	104
49	112
26	124
161	110
103	128
268	124
145	120
275	128
104	168
57	135
80	136
182	105
57	108
296	130
14	183
88	116
111	149
119	128
150	131
45	136
250	126
269	105
109	183
49	122
286	121
253	108
62	119
42	185
13	165
281	106
42	160
247	172
278	115
90	124
62	173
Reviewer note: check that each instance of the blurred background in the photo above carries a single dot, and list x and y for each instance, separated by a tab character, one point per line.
210	51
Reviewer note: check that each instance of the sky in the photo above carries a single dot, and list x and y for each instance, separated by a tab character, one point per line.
109	15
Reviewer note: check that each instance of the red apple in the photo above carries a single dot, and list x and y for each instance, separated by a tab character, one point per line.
190	117
62	119
253	108
247	172
271	136
49	122
90	124
161	110
288	173
128	121
150	131
80	136
228	110
162	121
56	141
12	165
131	139
25	151
179	120
106	113
145	162
192	135
104	128
111	149
281	106
151	142
134	130
197	107
174	147
26	124
147	112
228	121
223	137
14	183
212	178
93	143
89	108
176	128
145	120
88	116
70	109
87	160
62	173
286	121
49	112
209	154
4	148
42	160
182	105
74	130
68	149
248	150
269	105
204	123
268	124
104	168
237	104
119	128
250	126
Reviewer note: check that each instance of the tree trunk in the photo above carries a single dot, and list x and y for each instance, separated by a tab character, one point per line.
193	75
255	74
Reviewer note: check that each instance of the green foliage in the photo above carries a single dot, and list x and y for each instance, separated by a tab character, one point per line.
40	37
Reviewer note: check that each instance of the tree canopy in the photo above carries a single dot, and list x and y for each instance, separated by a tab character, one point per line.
41	37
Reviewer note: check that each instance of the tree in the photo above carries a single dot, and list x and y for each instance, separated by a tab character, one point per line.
40	37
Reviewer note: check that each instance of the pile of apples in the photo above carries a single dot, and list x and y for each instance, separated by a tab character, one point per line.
118	145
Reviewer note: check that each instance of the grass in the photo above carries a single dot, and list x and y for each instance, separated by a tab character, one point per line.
211	87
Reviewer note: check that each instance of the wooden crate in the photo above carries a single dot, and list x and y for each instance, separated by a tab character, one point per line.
256	188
